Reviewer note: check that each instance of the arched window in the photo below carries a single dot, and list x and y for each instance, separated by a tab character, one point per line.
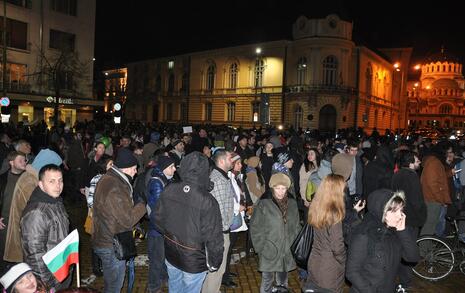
233	76
211	77
231	107
330	66
255	111
185	83
375	120
259	68
301	70
443	68
298	116
368	80
445	109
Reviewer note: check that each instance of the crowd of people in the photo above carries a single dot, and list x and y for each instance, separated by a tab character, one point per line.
367	197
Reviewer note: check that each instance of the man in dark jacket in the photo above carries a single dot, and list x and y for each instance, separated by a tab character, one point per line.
189	218
44	224
407	180
115	212
162	175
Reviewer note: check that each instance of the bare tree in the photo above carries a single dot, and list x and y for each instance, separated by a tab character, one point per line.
60	72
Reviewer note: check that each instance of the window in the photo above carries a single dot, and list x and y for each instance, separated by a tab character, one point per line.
330	66
211	77
255	111
22	3
185	84
64	6
445	109
15	75
298	117
170	64
183	111
169	111
301	70
259	68
233	76
208	111
231	111
61	40
65	81
16	33
369	80
170	84
158	84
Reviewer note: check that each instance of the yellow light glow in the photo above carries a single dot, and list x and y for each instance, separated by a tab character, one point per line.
416	84
258	50
428	87
396	65
417	67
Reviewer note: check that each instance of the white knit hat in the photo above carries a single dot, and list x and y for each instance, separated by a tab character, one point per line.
14	274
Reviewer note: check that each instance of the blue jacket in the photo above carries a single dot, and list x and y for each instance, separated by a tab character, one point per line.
154	188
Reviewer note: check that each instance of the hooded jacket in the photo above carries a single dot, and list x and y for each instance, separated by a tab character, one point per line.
189	218
44	224
375	251
155	187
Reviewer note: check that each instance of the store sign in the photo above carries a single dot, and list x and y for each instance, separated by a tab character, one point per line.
68	101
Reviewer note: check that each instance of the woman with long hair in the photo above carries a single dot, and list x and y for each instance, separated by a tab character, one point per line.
273	227
311	164
326	264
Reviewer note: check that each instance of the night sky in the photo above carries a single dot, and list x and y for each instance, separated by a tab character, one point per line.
177	27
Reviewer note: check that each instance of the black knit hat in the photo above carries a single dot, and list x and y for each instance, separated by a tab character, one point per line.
164	162
125	159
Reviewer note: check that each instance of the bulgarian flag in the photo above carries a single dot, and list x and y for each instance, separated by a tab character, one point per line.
66	253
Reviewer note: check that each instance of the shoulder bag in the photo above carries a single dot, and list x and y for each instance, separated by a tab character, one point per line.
302	246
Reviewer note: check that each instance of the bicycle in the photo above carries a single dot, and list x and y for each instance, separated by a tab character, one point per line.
439	256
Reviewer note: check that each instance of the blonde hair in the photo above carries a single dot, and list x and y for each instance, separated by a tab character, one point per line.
328	207
396	202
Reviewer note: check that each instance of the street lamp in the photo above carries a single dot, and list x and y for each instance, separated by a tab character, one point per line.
255	114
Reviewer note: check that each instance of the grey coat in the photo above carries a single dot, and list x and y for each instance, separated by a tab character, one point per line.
271	237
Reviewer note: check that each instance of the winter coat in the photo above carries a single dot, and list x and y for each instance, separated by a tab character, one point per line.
434	181
256	189
326	264
267	164
271	237
408	181
156	185
304	176
25	185
114	211
44	224
378	173
375	251
189	218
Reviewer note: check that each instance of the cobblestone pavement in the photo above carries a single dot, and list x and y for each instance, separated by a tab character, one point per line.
246	267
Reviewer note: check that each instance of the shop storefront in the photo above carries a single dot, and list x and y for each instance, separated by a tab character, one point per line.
33	109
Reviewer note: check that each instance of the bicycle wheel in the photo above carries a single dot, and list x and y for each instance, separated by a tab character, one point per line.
436	259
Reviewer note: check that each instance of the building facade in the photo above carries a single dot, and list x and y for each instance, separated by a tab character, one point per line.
115	88
319	79
437	98
38	33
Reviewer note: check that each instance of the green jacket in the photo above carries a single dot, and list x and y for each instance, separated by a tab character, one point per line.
272	238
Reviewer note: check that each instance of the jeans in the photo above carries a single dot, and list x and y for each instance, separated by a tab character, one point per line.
433	212
441	226
233	238
131	274
268	278
157	266
114	270
182	282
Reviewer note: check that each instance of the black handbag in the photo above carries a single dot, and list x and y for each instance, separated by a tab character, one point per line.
302	246
124	245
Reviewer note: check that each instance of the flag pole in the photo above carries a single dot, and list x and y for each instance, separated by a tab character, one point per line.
77	276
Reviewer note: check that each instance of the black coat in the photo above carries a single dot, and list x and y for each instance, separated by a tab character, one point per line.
408	181
189	218
375	251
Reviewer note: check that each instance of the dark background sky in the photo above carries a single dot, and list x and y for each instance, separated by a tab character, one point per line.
135	30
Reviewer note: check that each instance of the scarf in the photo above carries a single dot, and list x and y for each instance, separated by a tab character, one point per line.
282	205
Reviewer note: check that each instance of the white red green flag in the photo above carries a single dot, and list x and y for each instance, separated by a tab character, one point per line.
66	253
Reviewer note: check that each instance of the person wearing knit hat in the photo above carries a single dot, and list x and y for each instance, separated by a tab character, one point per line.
342	164
161	176
20	279
282	156
25	185
273	227
177	153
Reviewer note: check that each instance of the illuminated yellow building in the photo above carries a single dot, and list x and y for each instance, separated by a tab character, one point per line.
437	98
115	87
320	79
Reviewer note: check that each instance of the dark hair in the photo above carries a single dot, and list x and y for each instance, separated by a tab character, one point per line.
405	158
13	154
329	154
219	154
49	167
353	143
102	164
97	143
309	165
